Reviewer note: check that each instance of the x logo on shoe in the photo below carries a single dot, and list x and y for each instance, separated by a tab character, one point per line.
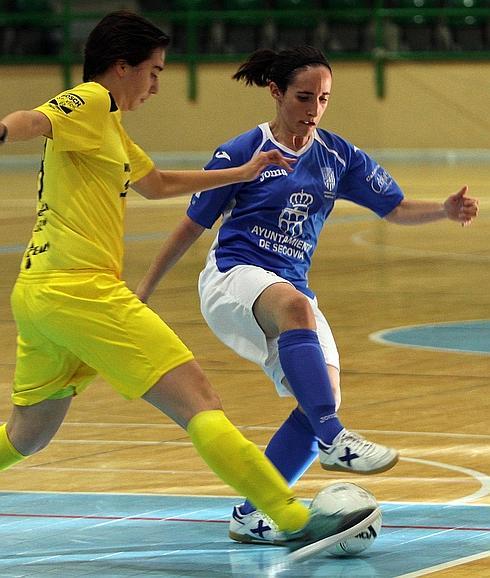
348	457
260	529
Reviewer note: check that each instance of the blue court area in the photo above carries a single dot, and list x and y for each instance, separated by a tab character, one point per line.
129	535
460	337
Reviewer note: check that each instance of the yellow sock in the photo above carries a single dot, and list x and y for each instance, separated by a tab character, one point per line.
239	463
8	454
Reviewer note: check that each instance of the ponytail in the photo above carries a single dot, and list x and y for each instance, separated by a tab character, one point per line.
256	69
265	65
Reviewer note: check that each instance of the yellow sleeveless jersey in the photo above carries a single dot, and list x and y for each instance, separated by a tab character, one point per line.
86	170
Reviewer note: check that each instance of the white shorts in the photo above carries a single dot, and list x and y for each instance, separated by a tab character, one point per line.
226	304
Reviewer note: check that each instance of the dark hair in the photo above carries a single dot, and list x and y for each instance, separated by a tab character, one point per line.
121	35
265	65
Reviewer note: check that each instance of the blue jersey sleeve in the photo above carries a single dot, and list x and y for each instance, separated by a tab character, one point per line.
207	206
368	184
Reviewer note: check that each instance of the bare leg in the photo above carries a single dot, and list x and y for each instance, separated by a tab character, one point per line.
182	393
280	308
30	428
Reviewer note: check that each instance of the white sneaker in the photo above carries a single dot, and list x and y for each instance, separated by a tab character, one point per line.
350	452
256	528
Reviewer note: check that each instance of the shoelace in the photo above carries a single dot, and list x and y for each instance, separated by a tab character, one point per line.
270	521
260	515
358	441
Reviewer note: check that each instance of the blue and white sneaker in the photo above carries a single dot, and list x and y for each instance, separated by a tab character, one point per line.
350	452
254	528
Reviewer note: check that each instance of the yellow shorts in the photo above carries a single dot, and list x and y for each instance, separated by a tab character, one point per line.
73	326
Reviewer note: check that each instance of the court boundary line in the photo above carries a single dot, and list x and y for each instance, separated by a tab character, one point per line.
445	565
481	478
473	475
106	424
378	336
221	497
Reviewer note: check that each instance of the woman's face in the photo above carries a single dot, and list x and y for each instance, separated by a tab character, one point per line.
301	107
141	81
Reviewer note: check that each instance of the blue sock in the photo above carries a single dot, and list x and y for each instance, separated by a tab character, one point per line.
292	449
304	366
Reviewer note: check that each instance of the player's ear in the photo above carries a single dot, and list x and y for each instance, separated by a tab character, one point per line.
276	93
120	67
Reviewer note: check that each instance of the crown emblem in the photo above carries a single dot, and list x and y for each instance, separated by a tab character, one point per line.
301	200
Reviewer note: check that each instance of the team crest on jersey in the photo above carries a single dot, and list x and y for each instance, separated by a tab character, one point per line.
67	102
292	217
328	178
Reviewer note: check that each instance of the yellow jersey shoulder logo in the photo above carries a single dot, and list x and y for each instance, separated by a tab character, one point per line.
67	102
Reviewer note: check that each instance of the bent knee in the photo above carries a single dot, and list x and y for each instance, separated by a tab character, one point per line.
28	443
297	313
182	393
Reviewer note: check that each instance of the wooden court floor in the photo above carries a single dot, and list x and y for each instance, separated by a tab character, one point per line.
369	276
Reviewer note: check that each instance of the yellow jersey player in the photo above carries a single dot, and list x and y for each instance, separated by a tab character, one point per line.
76	317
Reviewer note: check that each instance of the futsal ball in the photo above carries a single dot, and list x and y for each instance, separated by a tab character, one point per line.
345	498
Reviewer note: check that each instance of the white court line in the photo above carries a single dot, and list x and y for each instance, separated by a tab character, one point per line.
43	559
103	470
404	504
187	443
207	472
126	425
105	556
427	433
483	479
379	337
118	520
446	565
483	450
129	443
215	497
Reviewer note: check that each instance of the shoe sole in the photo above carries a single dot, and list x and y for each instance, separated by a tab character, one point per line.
337	468
310	550
244	539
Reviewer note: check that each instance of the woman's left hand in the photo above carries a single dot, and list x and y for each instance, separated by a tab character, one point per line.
253	168
461	208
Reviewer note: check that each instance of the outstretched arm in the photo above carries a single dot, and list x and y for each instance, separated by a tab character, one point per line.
160	184
457	207
24	125
186	233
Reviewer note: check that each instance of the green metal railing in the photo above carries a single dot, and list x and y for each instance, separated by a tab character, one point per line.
192	19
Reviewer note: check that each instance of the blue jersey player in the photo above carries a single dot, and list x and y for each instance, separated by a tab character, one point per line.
254	288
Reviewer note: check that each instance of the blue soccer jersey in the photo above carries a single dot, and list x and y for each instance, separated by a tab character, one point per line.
274	221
